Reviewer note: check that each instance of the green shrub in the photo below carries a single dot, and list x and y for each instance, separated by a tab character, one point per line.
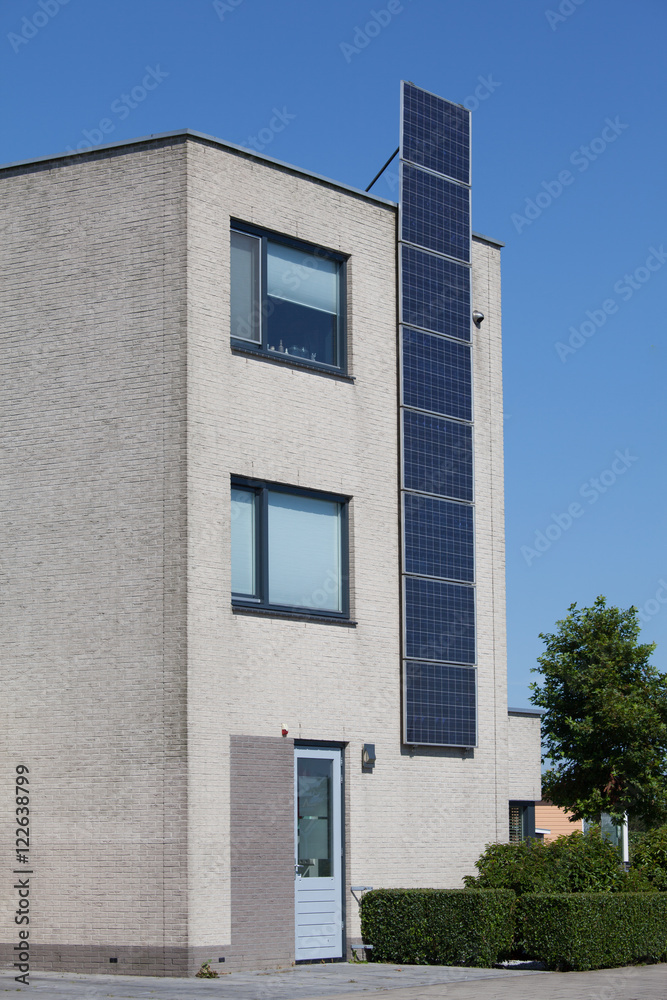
650	857
573	863
593	930
438	926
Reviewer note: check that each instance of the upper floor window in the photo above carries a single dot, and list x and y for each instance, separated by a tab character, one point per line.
287	298
289	549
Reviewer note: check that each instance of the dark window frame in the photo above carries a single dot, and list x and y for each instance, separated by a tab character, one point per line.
262	488
527	814
261	348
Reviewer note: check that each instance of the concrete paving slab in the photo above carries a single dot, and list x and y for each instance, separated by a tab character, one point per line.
301	982
347	981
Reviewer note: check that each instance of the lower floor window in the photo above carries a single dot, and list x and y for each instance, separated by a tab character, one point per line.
522	821
289	548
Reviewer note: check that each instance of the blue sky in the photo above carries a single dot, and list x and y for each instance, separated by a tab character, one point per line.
569	164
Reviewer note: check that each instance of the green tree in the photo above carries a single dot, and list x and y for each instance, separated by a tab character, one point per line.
605	724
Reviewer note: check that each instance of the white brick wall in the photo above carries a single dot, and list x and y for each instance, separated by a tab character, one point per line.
421	818
92	491
525	776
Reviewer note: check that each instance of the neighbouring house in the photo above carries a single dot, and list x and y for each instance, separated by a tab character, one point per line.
253	567
553	822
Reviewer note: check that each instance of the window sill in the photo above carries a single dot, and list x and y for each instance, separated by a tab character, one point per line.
288	359
298	616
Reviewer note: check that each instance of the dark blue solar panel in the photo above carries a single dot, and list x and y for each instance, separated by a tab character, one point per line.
437	456
435	213
435	293
436	133
440	704
436	375
439	621
439	538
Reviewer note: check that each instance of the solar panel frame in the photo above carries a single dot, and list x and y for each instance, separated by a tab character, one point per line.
434	213
444	550
436	374
453	690
435	293
435	133
453	477
439	621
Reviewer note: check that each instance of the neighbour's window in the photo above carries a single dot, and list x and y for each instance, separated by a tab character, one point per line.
289	549
521	821
287	298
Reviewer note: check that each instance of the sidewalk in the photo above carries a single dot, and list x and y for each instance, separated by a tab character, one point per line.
347	981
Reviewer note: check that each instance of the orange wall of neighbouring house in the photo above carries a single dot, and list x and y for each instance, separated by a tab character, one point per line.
549	817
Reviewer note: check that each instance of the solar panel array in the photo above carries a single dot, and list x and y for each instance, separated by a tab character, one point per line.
440	683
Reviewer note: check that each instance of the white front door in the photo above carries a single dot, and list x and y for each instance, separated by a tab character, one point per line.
318	861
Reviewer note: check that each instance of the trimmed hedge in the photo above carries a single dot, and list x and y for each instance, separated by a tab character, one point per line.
593	930
438	926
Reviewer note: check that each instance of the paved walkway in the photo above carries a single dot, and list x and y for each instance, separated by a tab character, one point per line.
346	982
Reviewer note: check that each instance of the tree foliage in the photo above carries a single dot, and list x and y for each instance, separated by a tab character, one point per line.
605	724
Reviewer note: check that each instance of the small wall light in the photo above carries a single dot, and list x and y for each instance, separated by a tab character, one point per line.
477	317
368	756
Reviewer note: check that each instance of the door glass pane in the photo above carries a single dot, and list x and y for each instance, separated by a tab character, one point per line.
315	811
302	307
243	542
304	552
245	287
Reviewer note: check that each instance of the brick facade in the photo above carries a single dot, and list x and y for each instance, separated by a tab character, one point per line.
149	713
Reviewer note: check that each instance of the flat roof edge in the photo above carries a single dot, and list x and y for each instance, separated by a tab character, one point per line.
487	239
201	136
535	712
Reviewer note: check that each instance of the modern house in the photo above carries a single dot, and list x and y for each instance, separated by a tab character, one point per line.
252	571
